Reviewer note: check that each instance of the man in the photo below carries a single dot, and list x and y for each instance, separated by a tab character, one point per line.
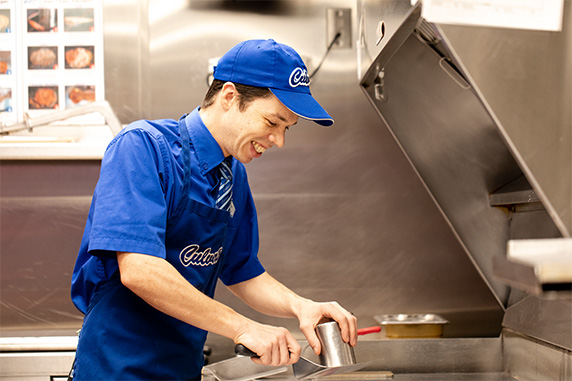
173	212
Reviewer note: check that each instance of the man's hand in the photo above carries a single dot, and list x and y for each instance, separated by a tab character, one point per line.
274	346
265	294
311	314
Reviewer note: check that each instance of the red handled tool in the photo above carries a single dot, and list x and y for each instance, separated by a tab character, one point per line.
365	331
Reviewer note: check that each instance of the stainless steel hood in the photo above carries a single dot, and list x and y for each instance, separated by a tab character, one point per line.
489	133
524	78
436	117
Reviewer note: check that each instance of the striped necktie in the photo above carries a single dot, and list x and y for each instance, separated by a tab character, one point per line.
224	198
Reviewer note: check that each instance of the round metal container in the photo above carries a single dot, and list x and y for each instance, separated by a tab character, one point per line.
335	352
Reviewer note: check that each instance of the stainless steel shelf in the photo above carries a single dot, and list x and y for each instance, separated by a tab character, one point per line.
538	266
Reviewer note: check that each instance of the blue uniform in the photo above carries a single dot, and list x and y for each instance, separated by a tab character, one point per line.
156	195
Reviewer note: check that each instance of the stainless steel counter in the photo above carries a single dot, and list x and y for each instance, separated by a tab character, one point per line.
58	142
482	359
455	377
497	376
471	359
418	359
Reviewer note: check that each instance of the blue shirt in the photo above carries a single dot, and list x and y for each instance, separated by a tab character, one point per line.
139	188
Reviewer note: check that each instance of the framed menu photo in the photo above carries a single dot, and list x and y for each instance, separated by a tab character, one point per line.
42	57
79	57
42	20
5	100
43	97
5	62
5	20
79	19
78	95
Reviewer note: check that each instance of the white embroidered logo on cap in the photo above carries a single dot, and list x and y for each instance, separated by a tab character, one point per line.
299	77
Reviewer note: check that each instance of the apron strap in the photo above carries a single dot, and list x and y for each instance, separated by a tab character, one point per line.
186	151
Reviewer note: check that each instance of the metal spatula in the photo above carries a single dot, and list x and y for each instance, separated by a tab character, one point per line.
239	368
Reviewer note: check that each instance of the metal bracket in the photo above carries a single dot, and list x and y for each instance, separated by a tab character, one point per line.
379	88
339	20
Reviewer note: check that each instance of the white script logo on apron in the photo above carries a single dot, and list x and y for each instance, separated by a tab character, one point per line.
191	255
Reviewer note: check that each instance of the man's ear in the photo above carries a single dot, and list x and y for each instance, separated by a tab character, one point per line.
229	95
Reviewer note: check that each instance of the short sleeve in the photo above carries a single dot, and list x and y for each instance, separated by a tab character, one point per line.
129	200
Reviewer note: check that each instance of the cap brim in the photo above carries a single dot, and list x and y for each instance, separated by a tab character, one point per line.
304	105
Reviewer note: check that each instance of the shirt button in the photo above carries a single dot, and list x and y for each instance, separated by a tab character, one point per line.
205	166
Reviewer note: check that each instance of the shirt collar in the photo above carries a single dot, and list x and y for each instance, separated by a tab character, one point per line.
208	151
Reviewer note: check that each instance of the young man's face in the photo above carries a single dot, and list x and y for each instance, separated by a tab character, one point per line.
260	126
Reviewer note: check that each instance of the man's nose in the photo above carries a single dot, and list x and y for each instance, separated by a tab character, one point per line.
277	139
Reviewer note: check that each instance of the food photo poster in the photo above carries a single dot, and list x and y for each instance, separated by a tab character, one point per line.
51	57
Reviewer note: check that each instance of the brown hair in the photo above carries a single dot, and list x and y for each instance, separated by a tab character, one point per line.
246	94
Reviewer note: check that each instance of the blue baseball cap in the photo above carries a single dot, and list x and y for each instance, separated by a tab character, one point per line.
266	63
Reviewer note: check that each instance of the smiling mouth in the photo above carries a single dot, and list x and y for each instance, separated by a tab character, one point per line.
258	148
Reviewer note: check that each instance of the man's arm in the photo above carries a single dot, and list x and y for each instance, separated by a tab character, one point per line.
265	294
158	283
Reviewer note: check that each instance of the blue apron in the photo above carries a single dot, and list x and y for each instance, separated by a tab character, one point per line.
122	336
